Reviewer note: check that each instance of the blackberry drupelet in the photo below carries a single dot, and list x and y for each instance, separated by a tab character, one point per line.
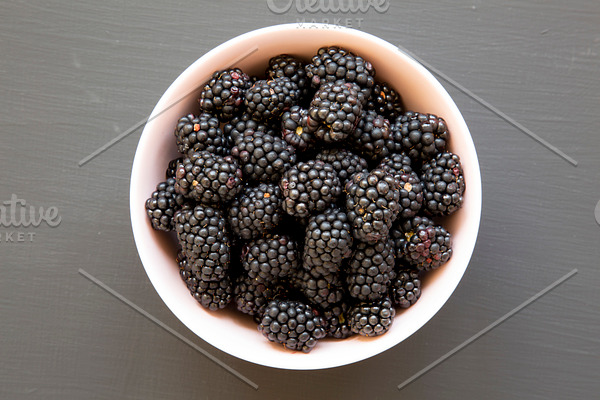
428	247
443	184
370	270
371	135
335	111
251	296
372	318
208	178
256	211
309	187
372	203
406	288
235	129
293	324
336	318
224	94
163	204
270	258
384	100
290	67
420	136
201	132
345	162
263	157
172	167
411	188
295	129
266	100
402	229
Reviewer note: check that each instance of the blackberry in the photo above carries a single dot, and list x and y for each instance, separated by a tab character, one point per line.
267	99
344	162
202	132
371	135
411	188
320	291
443	184
172	167
335	111
328	241
370	270
251	296
309	187
428	247
291	67
406	288
235	129
224	94
270	258
334	63
202	234
293	324
295	129
208	178
373	203
256	211
384	100
405	228
336	318
420	136
163	204
372	318
213	295
263	157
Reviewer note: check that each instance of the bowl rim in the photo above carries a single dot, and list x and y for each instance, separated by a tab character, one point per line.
293	360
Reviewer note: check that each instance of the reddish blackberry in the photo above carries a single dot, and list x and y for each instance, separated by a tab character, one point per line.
411	188
334	63
403	229
336	318
270	258
224	94
263	157
267	99
163	204
208	178
406	288
309	187
335	111
370	270
202	235
344	162
420	136
371	135
372	318
251	296
427	247
384	100
235	129
443	184
373	203
291	67
202	132
327	242
295	129
293	324
320	291
172	167
256	211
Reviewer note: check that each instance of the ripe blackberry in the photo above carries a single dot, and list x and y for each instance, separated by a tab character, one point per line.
267	99
371	135
428	247
224	94
384	100
443	184
344	162
320	291
406	288
256	211
202	132
295	129
370	270
263	157
172	167
334	63
335	111
163	204
208	178
293	324
328	241
235	129
202	235
420	136
251	296
336	318
403	229
373	203
270	258
309	187
291	67
411	188
372	318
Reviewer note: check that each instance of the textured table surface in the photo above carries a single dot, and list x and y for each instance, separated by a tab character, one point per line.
523	323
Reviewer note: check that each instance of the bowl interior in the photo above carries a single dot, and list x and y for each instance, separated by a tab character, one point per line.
235	333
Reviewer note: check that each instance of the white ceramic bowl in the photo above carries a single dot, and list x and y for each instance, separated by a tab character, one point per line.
235	333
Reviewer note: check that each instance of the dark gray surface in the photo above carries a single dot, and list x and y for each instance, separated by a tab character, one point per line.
75	76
